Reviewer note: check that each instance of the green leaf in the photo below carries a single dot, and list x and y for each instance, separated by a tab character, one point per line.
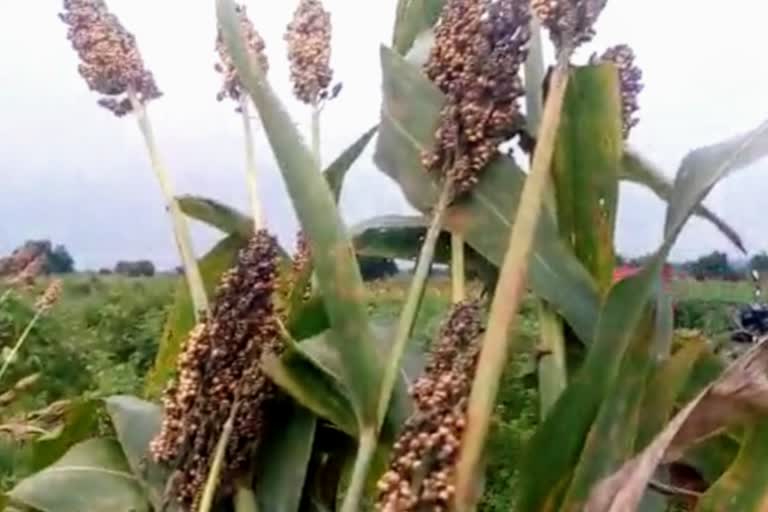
637	169
585	172
217	215
338	275
411	111
744	487
280	483
181	318
413	18
712	457
337	171
92	476
136	423
80	423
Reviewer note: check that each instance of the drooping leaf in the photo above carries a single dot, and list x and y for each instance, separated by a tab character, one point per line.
585	172
217	215
410	115
738	396
338	275
136	423
181	319
744	487
337	171
637	169
286	454
413	18
92	476
81	422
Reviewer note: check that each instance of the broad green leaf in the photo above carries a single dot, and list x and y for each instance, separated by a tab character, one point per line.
338	275
92	476
414	17
337	171
703	168
712	457
744	487
739	396
285	455
136	423
410	115
664	387
585	168
217	215
637	169
308	320
81	422
181	319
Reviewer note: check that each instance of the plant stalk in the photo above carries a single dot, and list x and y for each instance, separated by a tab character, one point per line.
214	473
251	170
180	226
5	295
20	342
365	451
413	301
509	293
245	498
552	369
458	269
316	111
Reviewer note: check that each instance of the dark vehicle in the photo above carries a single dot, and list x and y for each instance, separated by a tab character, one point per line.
752	320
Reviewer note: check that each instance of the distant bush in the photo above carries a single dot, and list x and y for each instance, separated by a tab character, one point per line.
142	268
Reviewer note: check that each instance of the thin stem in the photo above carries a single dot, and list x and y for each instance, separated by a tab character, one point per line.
534	77
509	293
180	226
209	491
251	171
553	374
413	301
245	498
356	489
316	111
19	343
458	272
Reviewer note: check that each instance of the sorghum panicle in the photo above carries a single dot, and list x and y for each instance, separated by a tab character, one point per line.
110	60
309	51
479	48
220	365
50	296
232	87
570	22
630	80
421	470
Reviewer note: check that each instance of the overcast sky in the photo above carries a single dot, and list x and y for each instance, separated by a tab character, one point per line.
71	172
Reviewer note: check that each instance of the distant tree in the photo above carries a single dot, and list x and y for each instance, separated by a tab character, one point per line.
759	262
372	267
712	266
60	261
142	268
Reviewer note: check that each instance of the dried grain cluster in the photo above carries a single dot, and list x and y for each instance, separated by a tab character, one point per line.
630	79
232	87
479	48
219	366
420	475
309	51
570	22
110	60
50	296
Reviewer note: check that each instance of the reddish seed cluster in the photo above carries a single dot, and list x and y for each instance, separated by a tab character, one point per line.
220	365
110	60
231	87
630	79
570	22
479	48
421	471
309	51
50	296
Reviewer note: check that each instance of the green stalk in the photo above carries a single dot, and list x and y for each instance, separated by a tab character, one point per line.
356	489
552	369
316	110
20	342
458	272
212	482
509	293
180	226
413	301
245	498
5	295
252	172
